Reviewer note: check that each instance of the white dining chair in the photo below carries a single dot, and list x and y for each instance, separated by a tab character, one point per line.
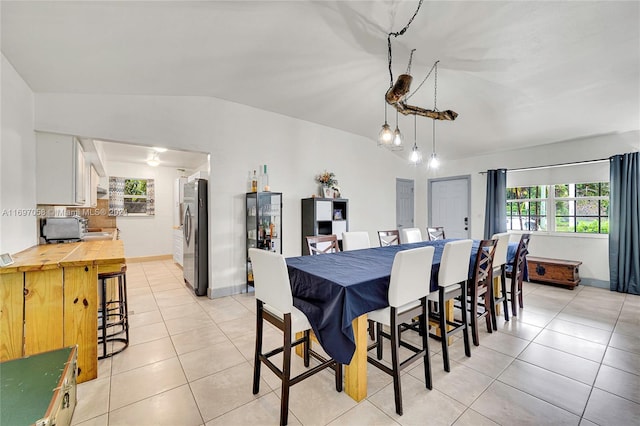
355	240
411	235
408	291
500	273
275	305
452	283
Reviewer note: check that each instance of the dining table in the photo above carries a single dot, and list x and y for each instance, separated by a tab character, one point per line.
337	290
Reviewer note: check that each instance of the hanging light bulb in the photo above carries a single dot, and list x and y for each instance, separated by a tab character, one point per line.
385	137
397	137
434	162
416	156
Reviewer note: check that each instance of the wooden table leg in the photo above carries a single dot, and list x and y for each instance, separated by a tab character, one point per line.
496	293
355	374
448	309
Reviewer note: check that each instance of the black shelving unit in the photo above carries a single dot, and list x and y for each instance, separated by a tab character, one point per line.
324	216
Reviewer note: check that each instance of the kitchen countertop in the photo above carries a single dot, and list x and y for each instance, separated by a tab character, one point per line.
52	256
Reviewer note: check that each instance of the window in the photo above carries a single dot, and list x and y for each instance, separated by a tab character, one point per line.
131	196
135	196
577	208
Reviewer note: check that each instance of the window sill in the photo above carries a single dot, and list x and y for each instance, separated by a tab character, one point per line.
563	234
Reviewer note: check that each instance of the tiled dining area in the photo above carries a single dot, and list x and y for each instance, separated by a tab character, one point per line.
570	357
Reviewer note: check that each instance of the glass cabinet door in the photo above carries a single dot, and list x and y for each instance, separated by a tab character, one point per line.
264	225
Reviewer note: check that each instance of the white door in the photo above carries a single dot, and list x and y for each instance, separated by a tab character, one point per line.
449	205
404	203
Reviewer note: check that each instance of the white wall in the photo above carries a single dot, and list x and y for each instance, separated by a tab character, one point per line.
17	163
240	138
148	235
592	250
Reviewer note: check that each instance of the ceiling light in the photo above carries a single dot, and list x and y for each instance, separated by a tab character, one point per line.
398	94
154	161
159	149
386	135
396	144
415	157
434	162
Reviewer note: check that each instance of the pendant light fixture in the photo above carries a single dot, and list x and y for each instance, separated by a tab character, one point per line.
398	94
416	156
385	137
434	162
397	137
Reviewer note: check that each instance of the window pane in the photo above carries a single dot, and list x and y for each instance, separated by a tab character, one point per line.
587	207
604	189
561	190
564	208
135	187
137	205
564	224
543	191
604	207
587	190
587	225
522	223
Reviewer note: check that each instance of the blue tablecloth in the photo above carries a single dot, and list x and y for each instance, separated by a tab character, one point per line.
333	289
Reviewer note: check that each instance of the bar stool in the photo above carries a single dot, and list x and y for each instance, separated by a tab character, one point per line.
113	312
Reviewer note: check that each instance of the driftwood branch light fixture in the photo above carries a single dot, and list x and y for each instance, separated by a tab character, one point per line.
398	94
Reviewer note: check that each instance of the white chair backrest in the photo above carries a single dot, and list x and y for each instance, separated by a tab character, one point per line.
410	275
500	256
355	240
411	235
271	279
454	265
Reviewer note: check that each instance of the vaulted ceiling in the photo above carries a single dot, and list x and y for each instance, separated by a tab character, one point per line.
519	73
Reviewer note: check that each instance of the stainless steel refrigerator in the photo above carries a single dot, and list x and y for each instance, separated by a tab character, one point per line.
195	227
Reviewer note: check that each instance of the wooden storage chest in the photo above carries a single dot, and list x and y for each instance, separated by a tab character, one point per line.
555	271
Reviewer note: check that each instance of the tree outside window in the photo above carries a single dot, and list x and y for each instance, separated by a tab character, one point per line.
135	196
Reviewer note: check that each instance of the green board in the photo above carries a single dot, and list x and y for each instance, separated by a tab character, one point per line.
27	385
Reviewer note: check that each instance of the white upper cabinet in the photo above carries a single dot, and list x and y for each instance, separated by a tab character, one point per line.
60	170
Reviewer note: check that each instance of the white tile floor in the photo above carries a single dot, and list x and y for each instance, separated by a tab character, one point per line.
570	357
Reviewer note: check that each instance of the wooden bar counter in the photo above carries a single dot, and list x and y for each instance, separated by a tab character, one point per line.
49	300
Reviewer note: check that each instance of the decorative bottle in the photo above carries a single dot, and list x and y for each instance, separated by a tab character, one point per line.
265	180
254	182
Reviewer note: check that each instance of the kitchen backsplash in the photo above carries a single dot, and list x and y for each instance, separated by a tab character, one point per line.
97	217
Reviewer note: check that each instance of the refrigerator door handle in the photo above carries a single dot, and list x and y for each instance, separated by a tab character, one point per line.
187	225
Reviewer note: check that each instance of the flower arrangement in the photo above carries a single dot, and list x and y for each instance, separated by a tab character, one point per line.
327	179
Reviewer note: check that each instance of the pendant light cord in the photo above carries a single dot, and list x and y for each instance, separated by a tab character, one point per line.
396	34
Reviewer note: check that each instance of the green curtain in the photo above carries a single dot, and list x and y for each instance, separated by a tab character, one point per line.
495	212
624	223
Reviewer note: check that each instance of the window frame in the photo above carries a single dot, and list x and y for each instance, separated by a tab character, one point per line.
551	216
